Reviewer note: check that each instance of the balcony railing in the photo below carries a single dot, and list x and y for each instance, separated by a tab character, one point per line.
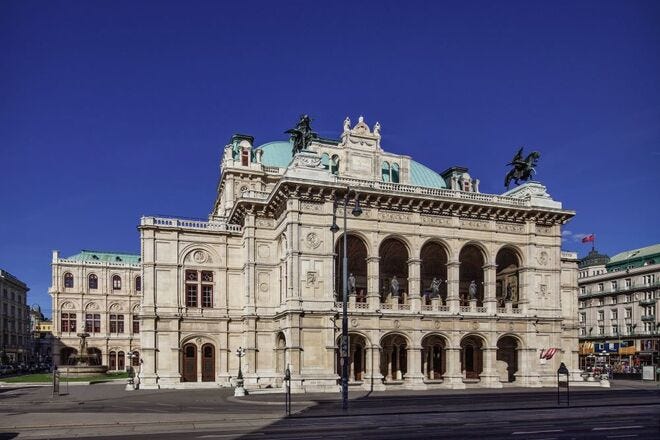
199	225
648	317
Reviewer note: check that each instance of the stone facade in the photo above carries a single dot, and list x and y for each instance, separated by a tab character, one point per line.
97	293
15	346
264	273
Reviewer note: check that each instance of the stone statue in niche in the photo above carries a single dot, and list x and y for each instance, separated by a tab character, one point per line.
472	290
394	286
509	293
435	287
351	284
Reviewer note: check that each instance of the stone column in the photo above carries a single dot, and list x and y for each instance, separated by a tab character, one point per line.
453	274
389	351
432	363
490	291
373	379
489	377
414	378
527	368
524	287
373	295
414	288
425	357
453	376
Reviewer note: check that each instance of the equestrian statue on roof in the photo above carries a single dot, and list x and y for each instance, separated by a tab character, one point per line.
302	134
523	169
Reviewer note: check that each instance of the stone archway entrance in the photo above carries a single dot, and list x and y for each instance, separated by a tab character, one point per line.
67	354
507	358
208	363
394	358
471	357
357	367
189	363
434	361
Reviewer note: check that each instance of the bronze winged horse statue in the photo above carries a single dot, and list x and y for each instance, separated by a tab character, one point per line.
523	169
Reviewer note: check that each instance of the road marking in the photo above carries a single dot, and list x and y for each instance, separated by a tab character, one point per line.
609	428
622	436
537	432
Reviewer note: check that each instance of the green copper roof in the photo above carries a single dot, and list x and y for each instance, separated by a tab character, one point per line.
278	154
109	257
637	257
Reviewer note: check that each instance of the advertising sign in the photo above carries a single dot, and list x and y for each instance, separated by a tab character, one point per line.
606	347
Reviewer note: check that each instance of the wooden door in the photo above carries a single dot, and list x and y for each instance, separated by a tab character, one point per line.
190	363
208	363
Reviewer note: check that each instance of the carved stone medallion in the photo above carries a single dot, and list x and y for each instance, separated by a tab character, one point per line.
543	258
313	241
200	257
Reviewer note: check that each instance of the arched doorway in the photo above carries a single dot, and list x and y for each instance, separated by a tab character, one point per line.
393	264
433	267
121	361
472	356
189	367
112	360
434	362
507	279
67	355
208	363
507	358
357	347
471	274
394	358
357	265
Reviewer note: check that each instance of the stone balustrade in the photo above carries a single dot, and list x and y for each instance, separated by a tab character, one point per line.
190	224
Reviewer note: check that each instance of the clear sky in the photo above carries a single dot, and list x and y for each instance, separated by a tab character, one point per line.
114	109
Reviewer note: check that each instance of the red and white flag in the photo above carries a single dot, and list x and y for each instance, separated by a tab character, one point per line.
548	354
589	238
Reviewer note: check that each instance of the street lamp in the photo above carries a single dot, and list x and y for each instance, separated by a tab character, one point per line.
239	390
344	317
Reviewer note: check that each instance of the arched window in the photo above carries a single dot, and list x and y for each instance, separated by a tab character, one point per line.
121	362
68	280
325	161
335	165
245	157
93	281
138	284
116	282
385	171
395	173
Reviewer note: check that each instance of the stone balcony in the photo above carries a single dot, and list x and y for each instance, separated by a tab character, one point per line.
190	224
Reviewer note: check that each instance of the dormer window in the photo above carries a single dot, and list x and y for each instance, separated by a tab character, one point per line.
245	157
334	166
117	258
466	185
390	173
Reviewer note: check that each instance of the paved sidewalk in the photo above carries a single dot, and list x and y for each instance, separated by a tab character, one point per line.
108	409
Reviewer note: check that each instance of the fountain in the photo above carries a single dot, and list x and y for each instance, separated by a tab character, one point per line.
80	365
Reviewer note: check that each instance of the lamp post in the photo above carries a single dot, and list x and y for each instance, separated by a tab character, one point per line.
239	390
344	316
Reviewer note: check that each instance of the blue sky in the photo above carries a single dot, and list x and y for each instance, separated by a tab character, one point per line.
112	110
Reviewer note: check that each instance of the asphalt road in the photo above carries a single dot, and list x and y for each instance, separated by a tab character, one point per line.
109	411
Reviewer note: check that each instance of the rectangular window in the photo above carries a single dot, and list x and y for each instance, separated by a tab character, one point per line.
191	295
600	287
614	314
116	323
207	296
92	323
628	313
582	290
583	317
614	286
628	283
601	301
601	330
68	322
601	315
136	324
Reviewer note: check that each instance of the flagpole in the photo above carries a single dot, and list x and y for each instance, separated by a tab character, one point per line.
593	242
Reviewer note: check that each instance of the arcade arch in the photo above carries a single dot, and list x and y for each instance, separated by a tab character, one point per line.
471	275
507	357
393	269
507	277
434	361
357	265
472	356
433	258
394	357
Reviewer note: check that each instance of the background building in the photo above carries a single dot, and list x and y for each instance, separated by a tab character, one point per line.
41	330
449	286
14	320
617	316
97	293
